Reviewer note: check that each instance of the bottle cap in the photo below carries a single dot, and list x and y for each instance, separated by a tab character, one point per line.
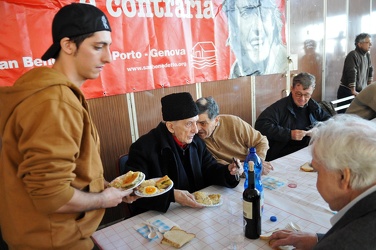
273	218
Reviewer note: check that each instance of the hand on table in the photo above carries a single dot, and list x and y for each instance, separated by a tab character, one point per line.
266	167
300	240
185	198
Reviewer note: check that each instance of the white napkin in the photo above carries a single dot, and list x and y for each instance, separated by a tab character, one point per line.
158	221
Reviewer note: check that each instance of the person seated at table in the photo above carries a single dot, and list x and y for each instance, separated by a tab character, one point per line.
364	104
343	154
287	123
174	149
228	136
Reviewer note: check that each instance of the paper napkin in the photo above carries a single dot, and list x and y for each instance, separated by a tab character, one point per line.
158	221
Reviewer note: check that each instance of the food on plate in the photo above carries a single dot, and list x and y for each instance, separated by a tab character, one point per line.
154	186
177	237
150	190
163	182
146	183
128	180
215	198
204	198
306	167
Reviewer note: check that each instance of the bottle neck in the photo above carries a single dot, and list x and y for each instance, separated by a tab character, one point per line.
251	179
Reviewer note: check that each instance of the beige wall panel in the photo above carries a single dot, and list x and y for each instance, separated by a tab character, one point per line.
269	89
148	105
233	96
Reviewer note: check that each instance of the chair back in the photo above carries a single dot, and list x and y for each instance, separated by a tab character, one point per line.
343	103
121	164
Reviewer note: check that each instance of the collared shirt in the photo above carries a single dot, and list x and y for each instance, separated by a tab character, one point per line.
342	212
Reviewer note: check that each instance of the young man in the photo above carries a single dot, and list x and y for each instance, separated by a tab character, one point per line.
174	149
52	186
343	154
287	122
228	136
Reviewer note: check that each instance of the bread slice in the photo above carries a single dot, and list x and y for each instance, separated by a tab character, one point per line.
306	167
177	237
163	182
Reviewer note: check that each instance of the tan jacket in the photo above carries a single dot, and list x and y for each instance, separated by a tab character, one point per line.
233	137
49	146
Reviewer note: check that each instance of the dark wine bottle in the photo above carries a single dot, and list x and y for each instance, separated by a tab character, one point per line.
252	206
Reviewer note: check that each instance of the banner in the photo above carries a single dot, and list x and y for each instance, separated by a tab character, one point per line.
156	43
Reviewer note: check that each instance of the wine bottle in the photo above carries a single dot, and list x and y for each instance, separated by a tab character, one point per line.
252	206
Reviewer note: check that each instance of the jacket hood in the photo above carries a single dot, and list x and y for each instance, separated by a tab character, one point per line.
27	85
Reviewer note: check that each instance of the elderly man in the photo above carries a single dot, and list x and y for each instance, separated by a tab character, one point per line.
357	69
343	154
287	123
174	149
228	136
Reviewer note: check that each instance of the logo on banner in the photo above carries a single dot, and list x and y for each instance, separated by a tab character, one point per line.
204	55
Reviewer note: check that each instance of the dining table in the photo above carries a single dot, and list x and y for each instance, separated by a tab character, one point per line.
290	198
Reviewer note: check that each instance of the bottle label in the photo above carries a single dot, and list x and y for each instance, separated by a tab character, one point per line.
247	209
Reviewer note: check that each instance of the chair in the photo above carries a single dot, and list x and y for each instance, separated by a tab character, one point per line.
342	103
121	164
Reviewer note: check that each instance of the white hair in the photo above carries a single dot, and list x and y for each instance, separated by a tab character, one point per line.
347	141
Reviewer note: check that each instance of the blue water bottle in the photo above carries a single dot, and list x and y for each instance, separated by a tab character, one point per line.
246	168
252	156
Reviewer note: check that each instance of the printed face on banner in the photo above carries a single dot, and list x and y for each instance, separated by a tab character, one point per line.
255	37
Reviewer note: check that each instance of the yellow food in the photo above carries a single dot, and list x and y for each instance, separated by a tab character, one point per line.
163	182
128	180
203	198
149	190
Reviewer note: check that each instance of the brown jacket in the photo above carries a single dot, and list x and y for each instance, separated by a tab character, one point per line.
49	146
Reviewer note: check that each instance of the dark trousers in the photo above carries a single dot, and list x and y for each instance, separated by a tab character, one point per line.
341	93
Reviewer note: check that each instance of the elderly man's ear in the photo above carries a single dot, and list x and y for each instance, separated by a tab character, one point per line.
345	178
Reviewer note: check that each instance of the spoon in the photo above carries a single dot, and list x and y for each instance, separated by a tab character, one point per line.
152	232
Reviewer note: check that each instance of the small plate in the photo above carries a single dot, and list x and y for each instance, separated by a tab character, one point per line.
135	185
138	193
215	205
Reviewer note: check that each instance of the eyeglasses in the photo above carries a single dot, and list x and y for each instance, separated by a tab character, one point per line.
300	95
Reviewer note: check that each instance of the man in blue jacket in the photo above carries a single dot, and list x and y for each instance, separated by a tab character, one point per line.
287	123
174	149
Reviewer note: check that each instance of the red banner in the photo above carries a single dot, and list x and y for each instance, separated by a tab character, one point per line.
156	43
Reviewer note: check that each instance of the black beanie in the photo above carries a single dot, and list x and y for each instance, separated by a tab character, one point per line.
178	106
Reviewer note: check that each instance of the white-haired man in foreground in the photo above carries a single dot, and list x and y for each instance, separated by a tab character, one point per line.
343	154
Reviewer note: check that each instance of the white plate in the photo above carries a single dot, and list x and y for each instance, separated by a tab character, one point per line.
135	185
138	193
215	205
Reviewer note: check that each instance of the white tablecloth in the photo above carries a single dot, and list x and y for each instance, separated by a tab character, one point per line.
302	205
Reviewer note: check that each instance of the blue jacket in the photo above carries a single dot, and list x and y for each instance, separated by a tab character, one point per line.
156	154
277	121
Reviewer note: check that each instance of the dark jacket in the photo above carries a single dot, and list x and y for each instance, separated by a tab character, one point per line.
277	121
355	230
357	69
156	154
